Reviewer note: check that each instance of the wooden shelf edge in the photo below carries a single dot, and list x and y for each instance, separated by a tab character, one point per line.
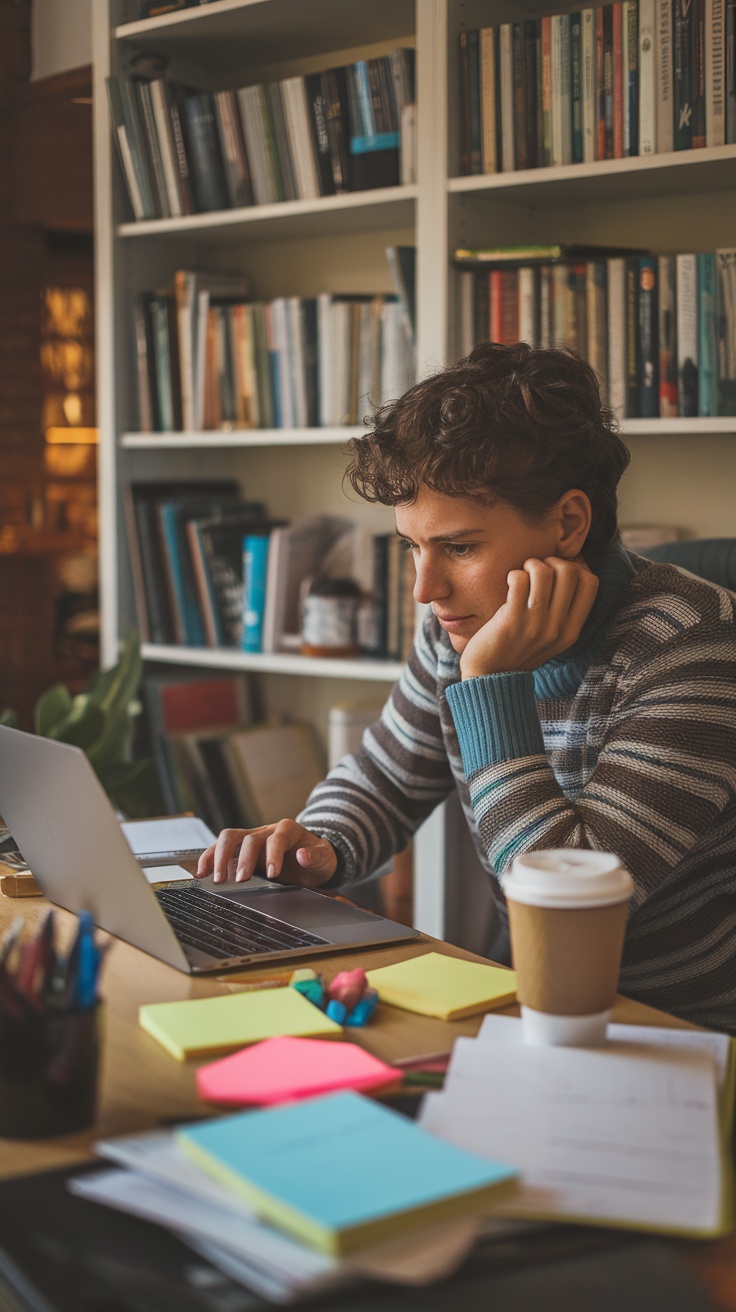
275	663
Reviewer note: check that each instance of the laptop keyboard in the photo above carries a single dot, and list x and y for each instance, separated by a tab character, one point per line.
228	928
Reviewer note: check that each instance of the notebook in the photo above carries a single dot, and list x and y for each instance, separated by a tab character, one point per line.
448	987
286	1068
201	1027
342	1172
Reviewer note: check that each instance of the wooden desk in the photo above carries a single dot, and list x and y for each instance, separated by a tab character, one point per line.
142	1087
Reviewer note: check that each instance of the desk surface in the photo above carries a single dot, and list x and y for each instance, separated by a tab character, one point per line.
142	1087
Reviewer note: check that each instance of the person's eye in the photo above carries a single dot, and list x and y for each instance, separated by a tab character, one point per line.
461	550
407	545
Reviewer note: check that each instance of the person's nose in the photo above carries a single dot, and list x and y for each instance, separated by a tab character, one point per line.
431	583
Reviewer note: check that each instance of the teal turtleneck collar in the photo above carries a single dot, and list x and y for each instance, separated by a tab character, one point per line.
562	676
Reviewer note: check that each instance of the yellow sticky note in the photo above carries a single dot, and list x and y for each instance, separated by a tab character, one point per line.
202	1027
448	987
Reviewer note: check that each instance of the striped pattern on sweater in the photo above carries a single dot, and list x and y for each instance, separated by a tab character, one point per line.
639	760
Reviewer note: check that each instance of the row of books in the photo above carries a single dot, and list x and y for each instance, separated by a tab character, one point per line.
207	359
184	150
660	331
633	77
187	545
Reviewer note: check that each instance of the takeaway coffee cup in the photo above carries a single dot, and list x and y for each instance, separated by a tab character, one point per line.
567	917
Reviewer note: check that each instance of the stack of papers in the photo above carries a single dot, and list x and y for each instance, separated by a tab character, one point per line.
348	1164
634	1134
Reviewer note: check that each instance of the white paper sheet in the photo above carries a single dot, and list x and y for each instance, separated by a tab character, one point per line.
175	833
608	1134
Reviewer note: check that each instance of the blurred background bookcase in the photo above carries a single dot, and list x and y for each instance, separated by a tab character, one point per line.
683	471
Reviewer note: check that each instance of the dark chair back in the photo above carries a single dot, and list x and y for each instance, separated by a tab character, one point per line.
713	559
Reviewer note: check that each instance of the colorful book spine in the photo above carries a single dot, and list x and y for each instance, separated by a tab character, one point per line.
616	310
588	90
507	97
715	72
576	86
631	265
632	77
619	80
667	323
687	336
726	330
707	336
648	352
255	567
546	43
488	98
665	96
648	107
561	90
683	75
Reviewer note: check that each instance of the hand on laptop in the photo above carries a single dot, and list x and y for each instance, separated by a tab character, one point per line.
285	851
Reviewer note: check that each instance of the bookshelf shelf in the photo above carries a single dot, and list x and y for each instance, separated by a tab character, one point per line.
356	211
664	427
238	34
637	178
241	437
278	663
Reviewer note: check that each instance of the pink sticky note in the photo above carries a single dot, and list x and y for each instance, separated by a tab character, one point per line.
282	1069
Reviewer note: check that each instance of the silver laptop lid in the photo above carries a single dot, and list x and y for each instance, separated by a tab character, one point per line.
61	819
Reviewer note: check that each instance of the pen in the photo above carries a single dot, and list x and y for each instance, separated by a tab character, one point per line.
37	960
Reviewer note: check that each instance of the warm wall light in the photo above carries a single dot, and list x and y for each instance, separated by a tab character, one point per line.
78	436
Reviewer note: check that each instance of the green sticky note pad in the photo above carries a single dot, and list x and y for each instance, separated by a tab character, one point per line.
448	987
202	1027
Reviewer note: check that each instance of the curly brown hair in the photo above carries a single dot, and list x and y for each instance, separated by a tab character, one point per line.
519	424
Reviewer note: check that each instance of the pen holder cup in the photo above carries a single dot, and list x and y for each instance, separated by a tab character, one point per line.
48	1074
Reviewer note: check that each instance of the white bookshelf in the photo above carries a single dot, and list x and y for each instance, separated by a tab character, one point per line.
682	471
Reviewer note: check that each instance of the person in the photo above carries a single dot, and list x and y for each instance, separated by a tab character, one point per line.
575	694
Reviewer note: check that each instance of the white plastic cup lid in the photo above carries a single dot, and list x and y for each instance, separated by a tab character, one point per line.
568	877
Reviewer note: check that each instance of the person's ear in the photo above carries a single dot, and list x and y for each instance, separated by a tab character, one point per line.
574	516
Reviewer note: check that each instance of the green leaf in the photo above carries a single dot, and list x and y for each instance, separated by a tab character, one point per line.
51	708
9	718
116	688
83	726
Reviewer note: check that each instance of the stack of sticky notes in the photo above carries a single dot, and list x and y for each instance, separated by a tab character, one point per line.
448	987
201	1027
283	1069
343	1172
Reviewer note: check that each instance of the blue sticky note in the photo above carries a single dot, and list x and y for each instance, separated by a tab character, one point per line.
342	1171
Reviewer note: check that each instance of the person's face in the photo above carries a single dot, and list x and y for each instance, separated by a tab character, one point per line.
464	550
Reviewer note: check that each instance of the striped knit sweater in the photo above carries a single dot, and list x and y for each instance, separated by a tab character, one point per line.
626	744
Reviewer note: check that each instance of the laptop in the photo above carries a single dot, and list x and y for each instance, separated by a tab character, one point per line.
67	830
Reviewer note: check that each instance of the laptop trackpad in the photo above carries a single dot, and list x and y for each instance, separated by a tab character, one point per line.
296	906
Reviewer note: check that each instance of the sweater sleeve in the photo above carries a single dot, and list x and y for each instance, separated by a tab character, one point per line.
371	803
663	776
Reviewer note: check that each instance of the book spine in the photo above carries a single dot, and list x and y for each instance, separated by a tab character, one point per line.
319	136
596	322
588	90
519	96
576	86
166	146
527	331
683	75
206	161
561	98
145	101
730	71
632	78
546	37
698	74
726	330
687	335
495	309
475	164
715	72
530	93
546	307
482	307
507	98
281	140
619	108
488	98
600	91
667	324
334	85
539	128
648	353
665	72
707	336
631	265
464	106
268	132
131	117
175	103
255	566
608	82
648	107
